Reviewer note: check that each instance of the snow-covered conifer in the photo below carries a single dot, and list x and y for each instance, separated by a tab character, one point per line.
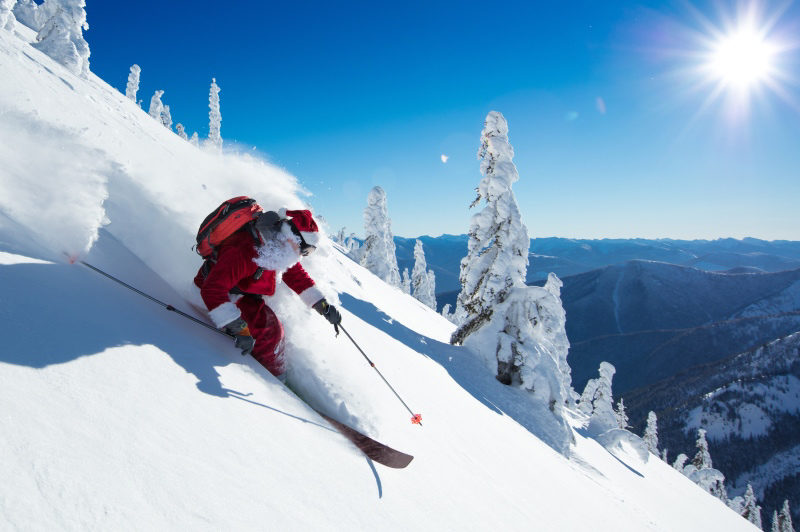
446	312
750	508
680	462
650	436
603	415
156	106
421	279
214	116
782	522
622	416
405	283
166	117
34	15
61	36
497	256
587	397
181	131
7	18
133	82
379	250
194	140
664	454
702	460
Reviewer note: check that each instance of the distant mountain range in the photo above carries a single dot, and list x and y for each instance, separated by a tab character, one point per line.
750	405
566	257
704	333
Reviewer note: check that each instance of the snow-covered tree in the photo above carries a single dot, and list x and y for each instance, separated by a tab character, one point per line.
405	283
650	436
61	36
446	312
497	256
622	416
214	116
379	254
750	508
702	460
133	82
782	522
34	15
702	472
194	140
603	417
421	287
166	117
7	18
181	131
680	462
156	105
664	455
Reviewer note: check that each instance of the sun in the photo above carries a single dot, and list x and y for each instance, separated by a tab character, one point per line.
742	59
739	61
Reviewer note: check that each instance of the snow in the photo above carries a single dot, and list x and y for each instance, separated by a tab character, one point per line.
751	409
118	415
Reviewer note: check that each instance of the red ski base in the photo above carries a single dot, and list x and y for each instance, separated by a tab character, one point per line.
374	450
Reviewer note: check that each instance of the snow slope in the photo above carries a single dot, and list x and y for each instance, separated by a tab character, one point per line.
116	414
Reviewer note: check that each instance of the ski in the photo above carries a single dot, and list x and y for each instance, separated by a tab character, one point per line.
374	450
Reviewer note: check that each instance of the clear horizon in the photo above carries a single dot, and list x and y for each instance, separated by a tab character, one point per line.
619	129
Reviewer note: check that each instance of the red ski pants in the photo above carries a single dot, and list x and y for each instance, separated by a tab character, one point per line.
267	331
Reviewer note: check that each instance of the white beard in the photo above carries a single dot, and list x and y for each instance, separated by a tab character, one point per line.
278	252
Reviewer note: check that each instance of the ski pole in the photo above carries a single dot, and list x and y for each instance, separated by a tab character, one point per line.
151	298
415	418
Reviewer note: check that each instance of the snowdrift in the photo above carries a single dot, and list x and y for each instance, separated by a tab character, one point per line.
115	414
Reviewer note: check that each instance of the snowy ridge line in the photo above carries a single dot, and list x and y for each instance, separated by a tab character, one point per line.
688	330
781	465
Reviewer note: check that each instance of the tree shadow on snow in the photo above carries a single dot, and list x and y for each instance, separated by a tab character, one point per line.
472	375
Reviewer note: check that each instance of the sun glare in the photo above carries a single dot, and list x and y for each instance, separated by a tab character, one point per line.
742	59
739	59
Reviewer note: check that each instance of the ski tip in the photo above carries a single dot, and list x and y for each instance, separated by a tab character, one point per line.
416	419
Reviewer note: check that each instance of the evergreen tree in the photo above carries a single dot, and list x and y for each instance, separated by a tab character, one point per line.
622	416
421	279
680	462
379	250
166	117
405	284
214	116
61	36
497	256
181	131
133	82
702	460
664	455
782	522
603	415
751	510
7	18
650	436
194	140
156	106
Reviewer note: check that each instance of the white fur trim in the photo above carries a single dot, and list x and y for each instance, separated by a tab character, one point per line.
224	314
311	295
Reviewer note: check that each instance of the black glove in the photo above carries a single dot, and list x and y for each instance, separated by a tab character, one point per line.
241	335
329	312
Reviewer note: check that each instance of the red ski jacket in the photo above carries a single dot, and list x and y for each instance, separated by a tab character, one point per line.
235	268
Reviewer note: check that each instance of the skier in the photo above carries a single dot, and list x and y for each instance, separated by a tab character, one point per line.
249	264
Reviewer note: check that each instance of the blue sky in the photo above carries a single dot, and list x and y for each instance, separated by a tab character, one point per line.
615	134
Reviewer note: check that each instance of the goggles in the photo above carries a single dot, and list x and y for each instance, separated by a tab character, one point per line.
305	248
